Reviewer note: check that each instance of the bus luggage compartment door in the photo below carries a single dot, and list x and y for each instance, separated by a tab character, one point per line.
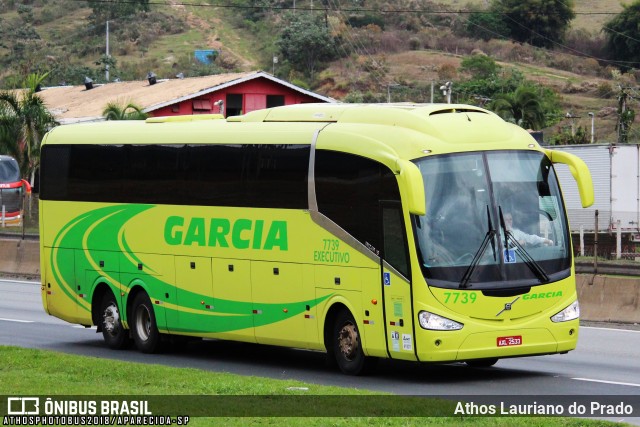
279	295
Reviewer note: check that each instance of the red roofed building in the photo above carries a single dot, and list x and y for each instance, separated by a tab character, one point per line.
229	94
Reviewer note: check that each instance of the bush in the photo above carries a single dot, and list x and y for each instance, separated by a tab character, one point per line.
520	53
358	97
566	138
480	66
447	71
363	20
563	63
605	90
414	43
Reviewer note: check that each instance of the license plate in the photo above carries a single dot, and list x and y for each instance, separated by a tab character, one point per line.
508	341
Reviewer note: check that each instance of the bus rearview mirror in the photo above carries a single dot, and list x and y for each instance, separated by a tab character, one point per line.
580	173
411	179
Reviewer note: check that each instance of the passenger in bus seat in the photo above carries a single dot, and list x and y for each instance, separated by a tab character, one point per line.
523	238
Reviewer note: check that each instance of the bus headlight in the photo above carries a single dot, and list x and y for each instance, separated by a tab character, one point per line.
570	313
437	323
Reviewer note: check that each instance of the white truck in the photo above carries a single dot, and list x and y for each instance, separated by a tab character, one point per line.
615	170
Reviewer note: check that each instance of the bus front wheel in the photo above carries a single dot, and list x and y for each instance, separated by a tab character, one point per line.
113	332
143	325
347	346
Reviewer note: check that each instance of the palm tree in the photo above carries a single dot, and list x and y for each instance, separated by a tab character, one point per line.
131	111
523	107
24	119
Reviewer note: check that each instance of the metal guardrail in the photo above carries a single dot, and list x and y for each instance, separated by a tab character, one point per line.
604	267
630	268
18	235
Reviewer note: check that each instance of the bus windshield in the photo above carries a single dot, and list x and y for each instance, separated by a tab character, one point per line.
495	220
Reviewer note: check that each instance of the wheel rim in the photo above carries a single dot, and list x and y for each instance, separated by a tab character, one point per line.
111	319
143	323
348	341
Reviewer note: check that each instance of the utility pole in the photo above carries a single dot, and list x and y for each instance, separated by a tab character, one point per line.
106	71
446	91
622	106
626	116
573	118
593	127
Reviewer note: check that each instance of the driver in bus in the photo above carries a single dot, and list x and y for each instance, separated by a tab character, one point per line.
523	238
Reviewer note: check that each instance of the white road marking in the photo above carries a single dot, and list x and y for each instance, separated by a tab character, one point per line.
609	329
17	320
606	382
25	282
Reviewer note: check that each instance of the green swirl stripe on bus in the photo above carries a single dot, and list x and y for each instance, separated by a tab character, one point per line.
63	272
104	228
129	253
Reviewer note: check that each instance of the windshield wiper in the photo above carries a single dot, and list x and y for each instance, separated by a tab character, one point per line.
528	260
489	237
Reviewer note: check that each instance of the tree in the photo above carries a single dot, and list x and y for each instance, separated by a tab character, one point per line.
24	119
487	89
131	111
540	23
305	42
486	25
106	62
622	34
626	117
524	107
479	66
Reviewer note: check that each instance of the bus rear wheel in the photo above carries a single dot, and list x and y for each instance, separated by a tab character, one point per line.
347	346
143	325
114	334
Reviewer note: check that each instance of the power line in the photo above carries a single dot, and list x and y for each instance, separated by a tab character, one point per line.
354	40
582	54
310	8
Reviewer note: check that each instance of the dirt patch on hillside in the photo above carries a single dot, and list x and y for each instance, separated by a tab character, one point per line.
210	27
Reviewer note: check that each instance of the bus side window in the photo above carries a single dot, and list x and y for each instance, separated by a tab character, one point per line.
349	189
260	176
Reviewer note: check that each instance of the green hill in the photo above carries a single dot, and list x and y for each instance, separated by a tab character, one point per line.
398	59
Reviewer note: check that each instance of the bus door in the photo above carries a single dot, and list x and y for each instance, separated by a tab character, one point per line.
396	285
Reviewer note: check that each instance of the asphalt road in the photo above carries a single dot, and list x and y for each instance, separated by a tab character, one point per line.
604	364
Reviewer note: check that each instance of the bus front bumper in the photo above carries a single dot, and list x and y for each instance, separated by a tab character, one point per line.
454	346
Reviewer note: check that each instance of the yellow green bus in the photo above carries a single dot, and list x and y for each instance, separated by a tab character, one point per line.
362	231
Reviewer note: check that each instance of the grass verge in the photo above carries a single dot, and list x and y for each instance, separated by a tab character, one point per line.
37	372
